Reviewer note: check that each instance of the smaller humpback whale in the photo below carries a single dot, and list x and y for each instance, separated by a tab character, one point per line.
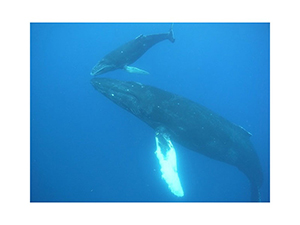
128	53
190	124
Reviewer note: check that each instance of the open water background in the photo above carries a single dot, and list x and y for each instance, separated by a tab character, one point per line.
86	148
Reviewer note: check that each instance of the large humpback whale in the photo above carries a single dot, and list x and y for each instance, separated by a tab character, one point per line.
128	53
190	124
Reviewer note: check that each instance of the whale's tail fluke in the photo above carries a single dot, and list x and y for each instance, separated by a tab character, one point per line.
171	34
255	194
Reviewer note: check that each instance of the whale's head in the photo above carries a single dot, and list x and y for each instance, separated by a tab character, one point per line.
129	95
102	67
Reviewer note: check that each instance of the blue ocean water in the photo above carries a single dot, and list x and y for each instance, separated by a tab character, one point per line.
84	148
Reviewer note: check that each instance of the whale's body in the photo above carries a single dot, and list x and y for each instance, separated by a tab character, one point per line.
189	124
129	52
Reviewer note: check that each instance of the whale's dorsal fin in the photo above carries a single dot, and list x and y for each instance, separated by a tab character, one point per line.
140	36
166	155
132	69
245	131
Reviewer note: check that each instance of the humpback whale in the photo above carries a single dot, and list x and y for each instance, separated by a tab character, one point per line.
178	119
128	53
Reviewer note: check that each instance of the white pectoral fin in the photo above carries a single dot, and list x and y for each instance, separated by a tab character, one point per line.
132	69
166	155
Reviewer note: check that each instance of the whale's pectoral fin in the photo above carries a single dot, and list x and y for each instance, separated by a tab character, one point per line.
166	155
132	69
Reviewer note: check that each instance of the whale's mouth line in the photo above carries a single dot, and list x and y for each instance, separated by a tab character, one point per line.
118	93
102	67
97	71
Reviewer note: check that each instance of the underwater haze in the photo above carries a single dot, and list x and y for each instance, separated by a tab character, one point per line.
85	148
